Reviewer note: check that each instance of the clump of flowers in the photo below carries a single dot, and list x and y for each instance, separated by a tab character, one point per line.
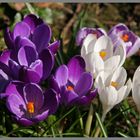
33	88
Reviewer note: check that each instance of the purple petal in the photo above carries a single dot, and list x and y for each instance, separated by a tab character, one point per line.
5	69
62	75
53	84
134	48
33	93
85	100
68	97
27	55
15	88
37	66
21	29
84	84
48	62
16	105
29	75
24	121
8	39
23	41
41	37
51	101
15	68
32	21
41	117
54	47
76	67
118	28
5	56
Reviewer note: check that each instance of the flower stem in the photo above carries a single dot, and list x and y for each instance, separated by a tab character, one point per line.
89	121
98	130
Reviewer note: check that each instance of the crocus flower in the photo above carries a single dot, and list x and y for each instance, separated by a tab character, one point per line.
32	30
30	57
29	66
29	104
85	31
136	88
73	83
99	55
120	34
112	88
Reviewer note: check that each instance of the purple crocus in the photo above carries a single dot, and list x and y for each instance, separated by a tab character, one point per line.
83	32
121	35
29	104
73	83
30	57
29	66
31	31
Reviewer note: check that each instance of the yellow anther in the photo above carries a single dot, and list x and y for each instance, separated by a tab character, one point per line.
70	88
103	54
114	84
30	107
125	37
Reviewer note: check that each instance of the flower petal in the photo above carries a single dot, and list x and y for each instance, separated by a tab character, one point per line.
45	38
48	62
37	66
5	56
84	84
76	67
32	21
27	55
54	47
21	29
16	105
62	75
33	93
8	39
51	101
29	75
112	63
119	76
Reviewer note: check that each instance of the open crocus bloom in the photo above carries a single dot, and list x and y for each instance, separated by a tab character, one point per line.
29	104
112	88
85	31
120	34
73	83
99	55
136	88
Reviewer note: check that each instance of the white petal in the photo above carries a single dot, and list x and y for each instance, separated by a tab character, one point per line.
83	52
120	50
104	43
108	97
119	76
121	94
112	63
136	88
91	38
129	86
94	63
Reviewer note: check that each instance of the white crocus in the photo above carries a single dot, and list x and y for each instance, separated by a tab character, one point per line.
136	88
99	55
112	88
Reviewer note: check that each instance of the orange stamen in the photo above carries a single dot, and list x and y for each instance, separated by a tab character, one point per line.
125	37
70	88
114	84
103	54
30	107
